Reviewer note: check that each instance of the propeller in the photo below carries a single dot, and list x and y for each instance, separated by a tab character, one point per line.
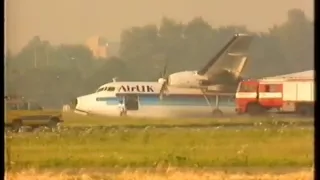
163	80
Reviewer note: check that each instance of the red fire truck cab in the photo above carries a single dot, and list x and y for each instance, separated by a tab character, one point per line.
294	95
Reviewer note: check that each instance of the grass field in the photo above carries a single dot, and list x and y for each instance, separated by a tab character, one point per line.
108	148
153	147
74	120
170	174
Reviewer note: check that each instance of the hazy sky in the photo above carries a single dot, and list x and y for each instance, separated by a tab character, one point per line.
73	21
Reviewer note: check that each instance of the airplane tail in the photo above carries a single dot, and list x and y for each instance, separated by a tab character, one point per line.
232	57
238	65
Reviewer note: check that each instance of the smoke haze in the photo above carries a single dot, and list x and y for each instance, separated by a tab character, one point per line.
73	21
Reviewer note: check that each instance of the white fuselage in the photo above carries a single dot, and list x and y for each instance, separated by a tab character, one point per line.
145	101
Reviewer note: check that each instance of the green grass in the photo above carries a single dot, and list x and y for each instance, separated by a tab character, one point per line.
73	120
150	147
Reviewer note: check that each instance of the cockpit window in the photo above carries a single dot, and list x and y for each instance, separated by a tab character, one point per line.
111	89
100	89
105	88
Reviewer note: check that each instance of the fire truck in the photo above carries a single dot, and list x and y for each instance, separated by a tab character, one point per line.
284	95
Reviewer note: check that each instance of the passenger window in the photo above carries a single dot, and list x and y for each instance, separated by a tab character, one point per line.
111	89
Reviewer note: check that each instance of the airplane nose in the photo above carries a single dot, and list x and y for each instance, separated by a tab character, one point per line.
74	103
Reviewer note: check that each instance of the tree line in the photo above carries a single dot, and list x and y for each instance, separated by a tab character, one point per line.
53	75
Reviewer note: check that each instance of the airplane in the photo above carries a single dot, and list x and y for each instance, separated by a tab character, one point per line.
187	93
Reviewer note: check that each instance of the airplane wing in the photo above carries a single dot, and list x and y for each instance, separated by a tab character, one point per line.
232	57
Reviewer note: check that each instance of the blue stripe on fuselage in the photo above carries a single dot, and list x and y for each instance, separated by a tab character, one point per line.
109	100
173	100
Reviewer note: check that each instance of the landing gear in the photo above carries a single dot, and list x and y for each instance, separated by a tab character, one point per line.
123	113
216	112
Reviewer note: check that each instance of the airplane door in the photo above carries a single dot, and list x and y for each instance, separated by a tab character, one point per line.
131	102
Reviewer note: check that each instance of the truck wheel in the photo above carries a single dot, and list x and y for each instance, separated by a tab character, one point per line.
254	109
16	125
53	123
306	111
217	113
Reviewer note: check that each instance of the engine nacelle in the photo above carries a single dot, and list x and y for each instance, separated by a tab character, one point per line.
186	79
222	81
161	80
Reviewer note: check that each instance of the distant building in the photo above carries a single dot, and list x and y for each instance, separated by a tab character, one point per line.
98	46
